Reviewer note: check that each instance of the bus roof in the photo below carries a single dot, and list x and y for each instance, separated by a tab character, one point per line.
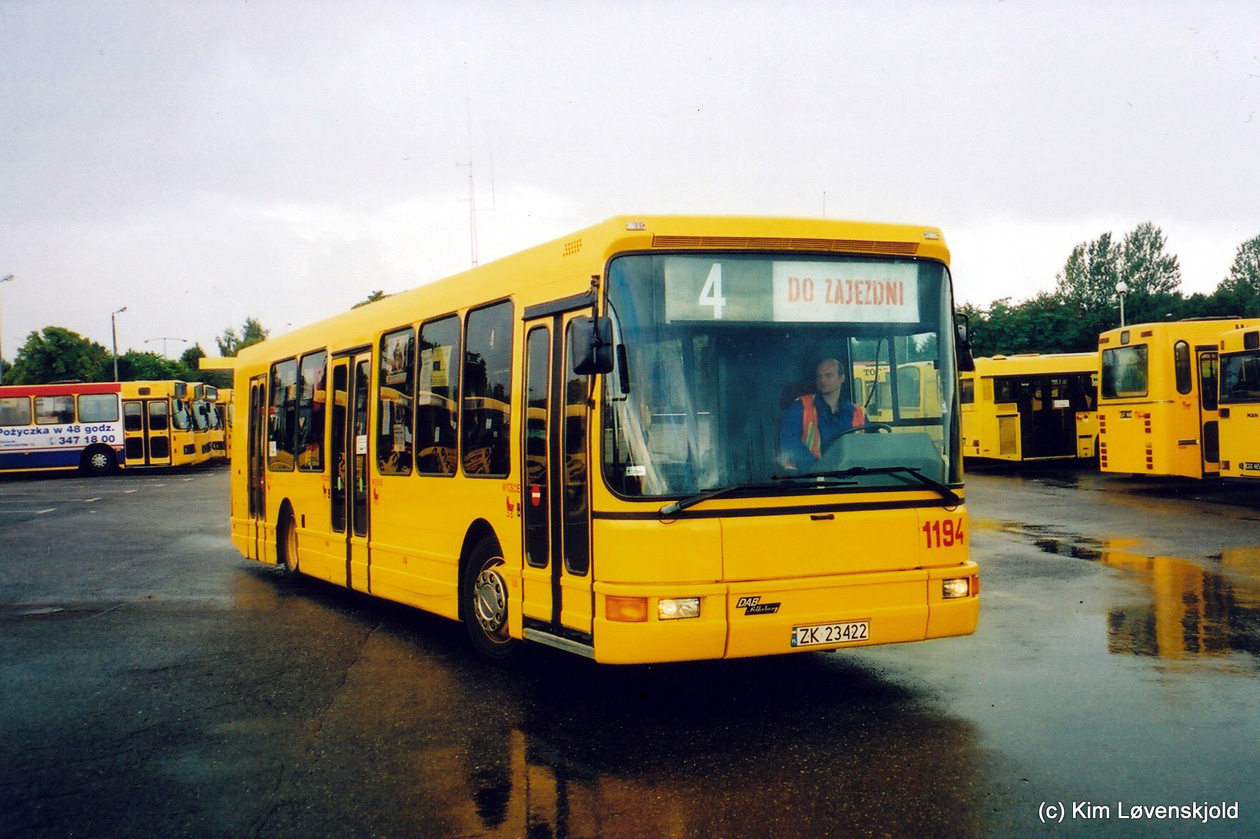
1196	328
570	262
1029	363
59	389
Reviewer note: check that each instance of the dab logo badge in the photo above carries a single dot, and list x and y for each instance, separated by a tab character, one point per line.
754	606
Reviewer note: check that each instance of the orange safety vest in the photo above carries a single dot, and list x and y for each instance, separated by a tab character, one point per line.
809	423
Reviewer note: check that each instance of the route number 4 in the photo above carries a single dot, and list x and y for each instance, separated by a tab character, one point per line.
711	294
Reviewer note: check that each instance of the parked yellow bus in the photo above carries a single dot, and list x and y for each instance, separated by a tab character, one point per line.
199	400
223	413
1031	407
579	445
60	426
915	393
1157	400
1240	403
158	427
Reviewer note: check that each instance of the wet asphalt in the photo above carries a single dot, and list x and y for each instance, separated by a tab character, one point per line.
152	683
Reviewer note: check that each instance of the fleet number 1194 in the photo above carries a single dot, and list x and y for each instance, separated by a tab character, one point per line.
943	533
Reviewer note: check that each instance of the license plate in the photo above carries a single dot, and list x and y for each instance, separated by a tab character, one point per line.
831	633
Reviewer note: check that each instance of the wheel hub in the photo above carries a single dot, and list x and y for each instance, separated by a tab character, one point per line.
490	601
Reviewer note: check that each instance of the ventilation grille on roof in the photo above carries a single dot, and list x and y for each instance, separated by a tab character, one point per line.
782	244
572	246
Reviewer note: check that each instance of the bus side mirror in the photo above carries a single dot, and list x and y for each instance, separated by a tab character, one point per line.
962	344
592	346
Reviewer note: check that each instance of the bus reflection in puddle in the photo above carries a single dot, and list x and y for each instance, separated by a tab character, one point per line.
1192	610
436	743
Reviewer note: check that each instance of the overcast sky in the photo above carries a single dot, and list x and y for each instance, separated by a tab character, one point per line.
203	162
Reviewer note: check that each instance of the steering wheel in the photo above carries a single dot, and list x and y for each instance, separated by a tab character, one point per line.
870	426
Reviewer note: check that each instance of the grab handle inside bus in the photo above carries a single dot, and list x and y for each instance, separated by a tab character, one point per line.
592	346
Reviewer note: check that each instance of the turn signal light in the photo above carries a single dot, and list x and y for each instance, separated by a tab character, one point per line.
626	609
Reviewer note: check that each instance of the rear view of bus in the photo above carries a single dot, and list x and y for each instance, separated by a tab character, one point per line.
1157	411
714	533
1240	404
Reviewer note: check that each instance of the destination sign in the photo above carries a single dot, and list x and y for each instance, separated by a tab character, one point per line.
791	291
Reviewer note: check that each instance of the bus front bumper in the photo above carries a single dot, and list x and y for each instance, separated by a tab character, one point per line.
774	617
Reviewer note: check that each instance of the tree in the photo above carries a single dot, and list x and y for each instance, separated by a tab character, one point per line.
230	343
1240	290
1145	266
1088	281
56	355
371	298
192	356
136	366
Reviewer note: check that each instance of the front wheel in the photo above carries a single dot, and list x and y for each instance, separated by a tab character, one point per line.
486	603
291	566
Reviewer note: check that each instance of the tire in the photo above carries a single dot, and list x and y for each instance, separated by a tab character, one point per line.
485	603
289	548
99	460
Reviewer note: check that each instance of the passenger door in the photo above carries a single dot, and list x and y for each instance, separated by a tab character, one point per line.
555	487
256	467
1207	365
357	441
146	432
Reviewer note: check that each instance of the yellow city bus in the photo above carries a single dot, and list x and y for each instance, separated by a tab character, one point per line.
1240	403
915	393
1157	398
199	401
158	426
1031	407
579	445
60	426
223	415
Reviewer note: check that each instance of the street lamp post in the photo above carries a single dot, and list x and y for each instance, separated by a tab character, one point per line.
113	328
1122	289
4	279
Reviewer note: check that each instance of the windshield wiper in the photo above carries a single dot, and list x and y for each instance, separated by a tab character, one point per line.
944	491
690	501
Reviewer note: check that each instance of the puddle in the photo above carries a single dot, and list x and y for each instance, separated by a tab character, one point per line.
1171	608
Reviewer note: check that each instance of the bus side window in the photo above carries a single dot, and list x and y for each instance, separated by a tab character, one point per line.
312	397
54	410
396	390
437	399
1181	367
487	401
280	454
15	410
98	408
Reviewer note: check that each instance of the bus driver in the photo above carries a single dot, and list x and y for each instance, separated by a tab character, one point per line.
815	419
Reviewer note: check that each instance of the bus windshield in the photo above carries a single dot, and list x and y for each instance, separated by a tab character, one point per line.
803	372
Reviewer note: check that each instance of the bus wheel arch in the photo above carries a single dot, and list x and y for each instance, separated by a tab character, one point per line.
286	540
484	599
98	460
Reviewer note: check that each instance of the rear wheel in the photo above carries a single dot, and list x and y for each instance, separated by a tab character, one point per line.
486	602
99	460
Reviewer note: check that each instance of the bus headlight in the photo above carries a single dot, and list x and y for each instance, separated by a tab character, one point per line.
678	608
959	587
